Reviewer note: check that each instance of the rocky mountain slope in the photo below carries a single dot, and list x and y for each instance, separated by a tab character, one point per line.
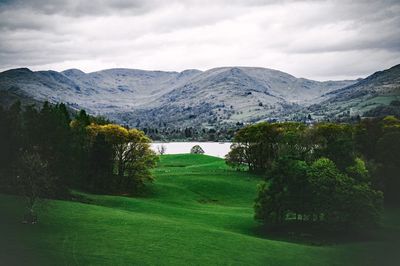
98	92
192	97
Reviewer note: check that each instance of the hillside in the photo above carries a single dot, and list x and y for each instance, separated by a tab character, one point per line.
198	212
98	92
218	96
232	94
135	97
375	91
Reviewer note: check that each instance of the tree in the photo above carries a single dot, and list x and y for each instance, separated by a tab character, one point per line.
99	157
49	132
358	207
341	201
131	154
388	155
299	199
317	193
359	171
366	135
294	141
325	180
80	145
236	157
140	159
82	120
285	192
10	144
100	165
196	150
334	141
268	205
377	141
34	181
161	149
256	145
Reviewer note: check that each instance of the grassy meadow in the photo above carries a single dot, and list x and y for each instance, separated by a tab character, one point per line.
197	212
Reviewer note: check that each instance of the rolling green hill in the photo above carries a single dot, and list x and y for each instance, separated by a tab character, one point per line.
197	212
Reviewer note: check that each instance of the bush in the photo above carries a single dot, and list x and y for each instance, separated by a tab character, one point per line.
196	150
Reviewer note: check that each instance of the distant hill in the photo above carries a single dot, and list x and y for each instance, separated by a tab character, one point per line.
376	92
193	97
98	92
232	94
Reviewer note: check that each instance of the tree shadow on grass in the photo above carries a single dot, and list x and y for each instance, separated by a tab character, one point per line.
316	234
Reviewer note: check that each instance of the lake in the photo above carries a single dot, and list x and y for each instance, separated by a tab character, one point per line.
217	149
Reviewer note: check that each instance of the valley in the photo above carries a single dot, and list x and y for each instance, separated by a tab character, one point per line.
198	211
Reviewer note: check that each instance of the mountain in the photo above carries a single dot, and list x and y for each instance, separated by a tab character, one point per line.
193	97
230	95
98	92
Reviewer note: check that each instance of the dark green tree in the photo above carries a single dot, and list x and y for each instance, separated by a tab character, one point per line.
334	141
100	166
319	193
388	154
10	144
34	181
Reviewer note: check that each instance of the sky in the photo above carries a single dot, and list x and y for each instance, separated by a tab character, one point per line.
321	40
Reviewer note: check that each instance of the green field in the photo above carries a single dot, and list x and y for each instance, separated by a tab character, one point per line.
197	212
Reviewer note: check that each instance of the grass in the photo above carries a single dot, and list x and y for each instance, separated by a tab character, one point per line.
197	212
371	103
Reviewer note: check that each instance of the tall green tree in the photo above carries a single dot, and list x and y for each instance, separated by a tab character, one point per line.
285	192
388	154
256	145
54	143
10	144
334	141
131	152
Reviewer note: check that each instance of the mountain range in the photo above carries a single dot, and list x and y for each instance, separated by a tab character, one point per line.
221	95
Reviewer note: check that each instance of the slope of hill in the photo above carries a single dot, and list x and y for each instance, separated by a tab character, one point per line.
217	96
198	212
378	89
232	94
226	94
98	92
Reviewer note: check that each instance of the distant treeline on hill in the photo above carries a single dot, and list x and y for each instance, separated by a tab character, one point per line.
214	133
226	131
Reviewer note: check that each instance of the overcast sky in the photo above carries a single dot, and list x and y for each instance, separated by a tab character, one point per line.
312	39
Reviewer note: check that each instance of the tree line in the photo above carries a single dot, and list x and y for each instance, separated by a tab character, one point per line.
193	133
45	152
330	174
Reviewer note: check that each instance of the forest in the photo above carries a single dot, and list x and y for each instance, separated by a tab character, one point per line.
334	176
46	153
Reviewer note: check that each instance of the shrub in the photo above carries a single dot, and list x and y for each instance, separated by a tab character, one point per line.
196	150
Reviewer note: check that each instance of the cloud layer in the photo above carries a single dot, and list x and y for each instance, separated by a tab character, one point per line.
313	39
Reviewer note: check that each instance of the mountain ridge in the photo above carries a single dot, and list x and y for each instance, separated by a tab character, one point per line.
192	97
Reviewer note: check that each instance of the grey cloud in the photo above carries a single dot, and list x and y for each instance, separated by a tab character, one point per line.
78	8
123	7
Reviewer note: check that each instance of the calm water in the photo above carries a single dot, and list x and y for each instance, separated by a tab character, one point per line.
210	148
